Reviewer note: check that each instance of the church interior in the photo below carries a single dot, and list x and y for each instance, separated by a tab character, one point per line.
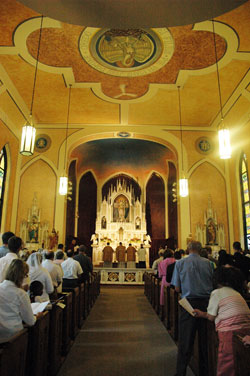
126	101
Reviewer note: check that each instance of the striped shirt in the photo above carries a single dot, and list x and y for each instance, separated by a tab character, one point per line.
230	309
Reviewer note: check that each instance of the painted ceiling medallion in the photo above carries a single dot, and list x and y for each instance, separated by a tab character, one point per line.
42	143
204	145
126	53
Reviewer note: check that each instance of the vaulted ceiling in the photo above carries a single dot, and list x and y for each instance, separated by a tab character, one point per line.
124	77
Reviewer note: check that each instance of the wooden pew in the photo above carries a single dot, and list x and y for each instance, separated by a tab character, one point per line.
241	354
157	288
173	314
166	313
213	344
67	322
75	310
55	339
38	347
81	314
13	354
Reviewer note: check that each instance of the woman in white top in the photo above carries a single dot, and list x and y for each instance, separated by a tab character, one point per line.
15	304
38	273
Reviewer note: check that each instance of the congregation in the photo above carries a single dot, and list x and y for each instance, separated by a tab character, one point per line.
36	277
216	289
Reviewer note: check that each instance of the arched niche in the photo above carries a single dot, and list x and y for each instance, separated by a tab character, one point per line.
38	178
155	207
71	201
207	181
86	208
121	178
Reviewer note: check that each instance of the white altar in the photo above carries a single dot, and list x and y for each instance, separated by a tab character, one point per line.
117	276
120	218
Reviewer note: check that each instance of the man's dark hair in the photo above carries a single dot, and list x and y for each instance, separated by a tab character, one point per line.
6	236
82	248
177	255
14	244
60	246
59	255
70	253
230	277
49	255
168	253
108	243
237	246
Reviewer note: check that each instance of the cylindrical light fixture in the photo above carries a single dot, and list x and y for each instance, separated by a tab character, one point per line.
63	185
224	143
28	140
183	187
28	130
183	182
223	133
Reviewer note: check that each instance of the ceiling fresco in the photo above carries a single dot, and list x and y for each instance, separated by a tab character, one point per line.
123	76
109	156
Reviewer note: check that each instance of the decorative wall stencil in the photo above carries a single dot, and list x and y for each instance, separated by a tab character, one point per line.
204	145
126	53
42	143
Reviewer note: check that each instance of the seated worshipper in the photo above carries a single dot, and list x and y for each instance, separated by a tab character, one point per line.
14	245
15	307
120	255
38	273
142	257
230	312
162	271
170	268
72	271
193	278
5	238
85	263
157	261
107	256
54	270
36	291
131	256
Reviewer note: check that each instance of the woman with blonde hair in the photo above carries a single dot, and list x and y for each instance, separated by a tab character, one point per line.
15	307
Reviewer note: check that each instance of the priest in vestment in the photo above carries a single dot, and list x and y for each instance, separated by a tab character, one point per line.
108	256
131	256
120	255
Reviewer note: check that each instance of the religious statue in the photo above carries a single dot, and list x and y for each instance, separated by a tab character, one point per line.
147	239
121	209
53	239
138	223
94	239
211	232
33	230
104	223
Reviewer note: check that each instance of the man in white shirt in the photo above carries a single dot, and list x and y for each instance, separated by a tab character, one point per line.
72	271
14	245
54	270
157	261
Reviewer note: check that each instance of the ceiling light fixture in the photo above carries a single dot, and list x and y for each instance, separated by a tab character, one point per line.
63	184
223	132
28	130
183	182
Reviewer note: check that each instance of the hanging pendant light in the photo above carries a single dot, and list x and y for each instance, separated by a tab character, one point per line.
63	184
28	130
183	182
223	132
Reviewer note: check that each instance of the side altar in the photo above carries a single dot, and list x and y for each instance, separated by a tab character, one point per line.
120	218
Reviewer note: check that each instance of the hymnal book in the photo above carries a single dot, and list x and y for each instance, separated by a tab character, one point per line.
187	306
39	307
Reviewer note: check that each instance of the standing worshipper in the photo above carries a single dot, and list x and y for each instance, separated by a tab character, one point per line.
107	256
5	238
72	271
54	270
162	271
120	255
142	257
85	263
193	278
131	256
157	261
14	246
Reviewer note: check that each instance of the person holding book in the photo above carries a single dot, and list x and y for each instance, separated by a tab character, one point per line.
230	312
193	278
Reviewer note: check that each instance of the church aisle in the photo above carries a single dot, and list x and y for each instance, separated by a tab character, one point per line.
121	337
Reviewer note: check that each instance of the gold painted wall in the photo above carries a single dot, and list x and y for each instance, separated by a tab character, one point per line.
40	178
